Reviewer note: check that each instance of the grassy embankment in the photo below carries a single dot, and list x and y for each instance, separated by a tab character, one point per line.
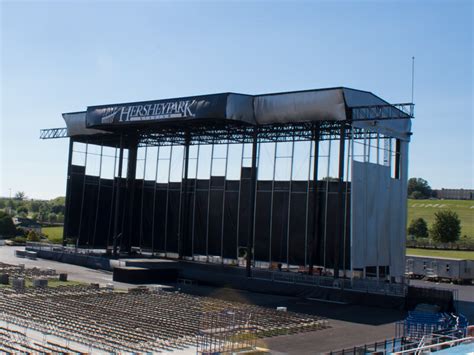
426	209
55	234
456	254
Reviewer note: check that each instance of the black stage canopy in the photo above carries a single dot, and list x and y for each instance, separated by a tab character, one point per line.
232	117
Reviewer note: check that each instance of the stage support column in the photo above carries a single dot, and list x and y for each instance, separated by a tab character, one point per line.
117	197
314	243
397	158
112	204
130	187
183	213
340	200
82	199
68	191
253	186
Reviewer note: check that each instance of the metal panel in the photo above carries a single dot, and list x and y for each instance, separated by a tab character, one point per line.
76	125
305	106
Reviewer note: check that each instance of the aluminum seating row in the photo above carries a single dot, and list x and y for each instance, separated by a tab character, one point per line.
136	321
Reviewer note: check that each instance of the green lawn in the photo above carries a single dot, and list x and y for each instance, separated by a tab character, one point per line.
57	283
459	254
427	208
55	234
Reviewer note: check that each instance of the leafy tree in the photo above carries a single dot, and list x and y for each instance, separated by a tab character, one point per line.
33	237
20	195
446	227
416	195
3	203
53	218
35	206
60	218
61	200
7	228
418	228
22	209
58	209
43	216
420	187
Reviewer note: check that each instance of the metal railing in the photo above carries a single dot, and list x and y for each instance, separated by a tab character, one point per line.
402	345
37	246
358	285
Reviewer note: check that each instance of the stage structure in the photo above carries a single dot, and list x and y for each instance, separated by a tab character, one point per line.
311	180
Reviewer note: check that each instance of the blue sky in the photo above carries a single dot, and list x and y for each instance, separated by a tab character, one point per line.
64	56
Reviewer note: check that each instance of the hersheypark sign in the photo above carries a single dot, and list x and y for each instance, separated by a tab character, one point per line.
209	106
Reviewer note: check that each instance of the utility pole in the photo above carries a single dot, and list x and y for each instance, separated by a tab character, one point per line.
412	79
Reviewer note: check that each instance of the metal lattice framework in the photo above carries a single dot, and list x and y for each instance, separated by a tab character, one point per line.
212	132
52	133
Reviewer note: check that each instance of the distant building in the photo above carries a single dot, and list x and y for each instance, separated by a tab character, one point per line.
27	224
455	194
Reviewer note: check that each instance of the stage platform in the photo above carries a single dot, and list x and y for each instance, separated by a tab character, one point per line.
141	275
140	271
143	270
147	263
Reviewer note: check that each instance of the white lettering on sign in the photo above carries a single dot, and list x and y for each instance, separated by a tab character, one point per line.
173	109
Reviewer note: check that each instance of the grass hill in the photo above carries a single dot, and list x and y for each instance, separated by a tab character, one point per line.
427	208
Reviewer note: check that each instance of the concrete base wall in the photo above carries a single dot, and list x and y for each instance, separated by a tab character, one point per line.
92	262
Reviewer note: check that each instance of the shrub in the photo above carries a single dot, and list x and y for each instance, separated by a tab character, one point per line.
418	228
33	237
7	228
19	240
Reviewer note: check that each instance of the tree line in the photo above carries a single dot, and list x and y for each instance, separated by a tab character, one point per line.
42	211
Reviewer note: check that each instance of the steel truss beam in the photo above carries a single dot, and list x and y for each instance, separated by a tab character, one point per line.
266	134
234	132
231	135
52	133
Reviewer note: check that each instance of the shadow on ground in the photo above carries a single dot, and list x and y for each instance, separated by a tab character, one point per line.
342	312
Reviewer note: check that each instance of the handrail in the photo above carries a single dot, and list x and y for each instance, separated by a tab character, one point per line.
449	342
